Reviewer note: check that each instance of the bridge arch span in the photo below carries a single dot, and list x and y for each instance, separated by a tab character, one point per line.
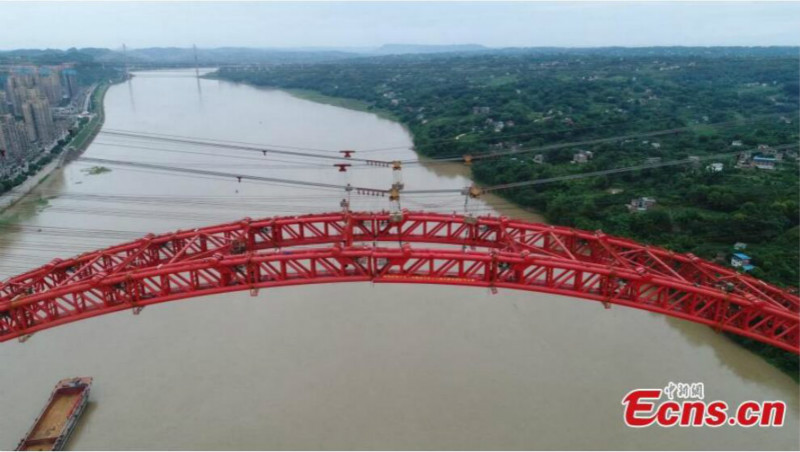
492	252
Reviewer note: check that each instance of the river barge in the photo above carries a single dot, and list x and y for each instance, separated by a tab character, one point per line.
56	422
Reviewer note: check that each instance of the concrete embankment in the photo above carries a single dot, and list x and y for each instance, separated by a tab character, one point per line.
11	197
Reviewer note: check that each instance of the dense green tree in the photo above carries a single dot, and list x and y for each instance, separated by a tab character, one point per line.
524	99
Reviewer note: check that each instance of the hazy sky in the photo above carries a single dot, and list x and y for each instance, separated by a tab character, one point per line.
251	24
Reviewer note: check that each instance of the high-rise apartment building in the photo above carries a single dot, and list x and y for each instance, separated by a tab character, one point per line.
49	82
38	109
70	82
28	119
15	139
30	92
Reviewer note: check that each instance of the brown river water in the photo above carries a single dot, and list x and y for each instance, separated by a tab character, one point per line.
344	366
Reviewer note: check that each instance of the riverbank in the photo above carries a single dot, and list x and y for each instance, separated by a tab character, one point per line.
502	205
73	147
17	193
318	97
344	102
87	133
785	361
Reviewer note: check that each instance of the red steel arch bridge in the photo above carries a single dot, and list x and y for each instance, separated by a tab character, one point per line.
399	247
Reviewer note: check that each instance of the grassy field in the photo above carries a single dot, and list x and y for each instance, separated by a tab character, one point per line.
352	104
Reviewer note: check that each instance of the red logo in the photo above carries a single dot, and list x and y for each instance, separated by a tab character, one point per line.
684	407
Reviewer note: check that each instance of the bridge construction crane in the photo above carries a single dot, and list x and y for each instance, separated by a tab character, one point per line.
471	192
345	202
394	192
394	196
397	174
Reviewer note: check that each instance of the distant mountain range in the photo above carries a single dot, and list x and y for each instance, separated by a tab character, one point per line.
231	55
169	56
398	49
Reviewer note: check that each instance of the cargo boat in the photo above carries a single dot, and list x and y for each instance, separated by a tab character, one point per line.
58	419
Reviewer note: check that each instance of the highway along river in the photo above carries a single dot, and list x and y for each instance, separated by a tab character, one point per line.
339	366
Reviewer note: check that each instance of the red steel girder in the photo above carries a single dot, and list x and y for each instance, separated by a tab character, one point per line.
343	247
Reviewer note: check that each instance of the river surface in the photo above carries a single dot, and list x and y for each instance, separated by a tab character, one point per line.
344	366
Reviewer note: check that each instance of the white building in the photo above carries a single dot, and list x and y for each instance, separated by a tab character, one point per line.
582	156
641	204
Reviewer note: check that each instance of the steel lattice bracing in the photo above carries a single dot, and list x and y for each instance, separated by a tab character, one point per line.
380	247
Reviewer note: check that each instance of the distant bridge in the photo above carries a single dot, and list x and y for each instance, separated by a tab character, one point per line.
382	247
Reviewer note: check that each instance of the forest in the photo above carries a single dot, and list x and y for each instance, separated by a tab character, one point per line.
736	107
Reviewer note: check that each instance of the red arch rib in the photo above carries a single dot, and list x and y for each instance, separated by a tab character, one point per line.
343	247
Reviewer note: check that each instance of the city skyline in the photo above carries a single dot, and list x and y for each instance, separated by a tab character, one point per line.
29	95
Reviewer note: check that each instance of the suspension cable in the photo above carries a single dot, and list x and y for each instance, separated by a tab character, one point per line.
552	147
239	177
263	150
598	173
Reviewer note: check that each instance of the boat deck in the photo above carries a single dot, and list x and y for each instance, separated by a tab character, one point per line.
56	422
53	421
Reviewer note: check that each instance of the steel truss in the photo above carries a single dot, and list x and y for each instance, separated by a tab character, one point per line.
383	247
